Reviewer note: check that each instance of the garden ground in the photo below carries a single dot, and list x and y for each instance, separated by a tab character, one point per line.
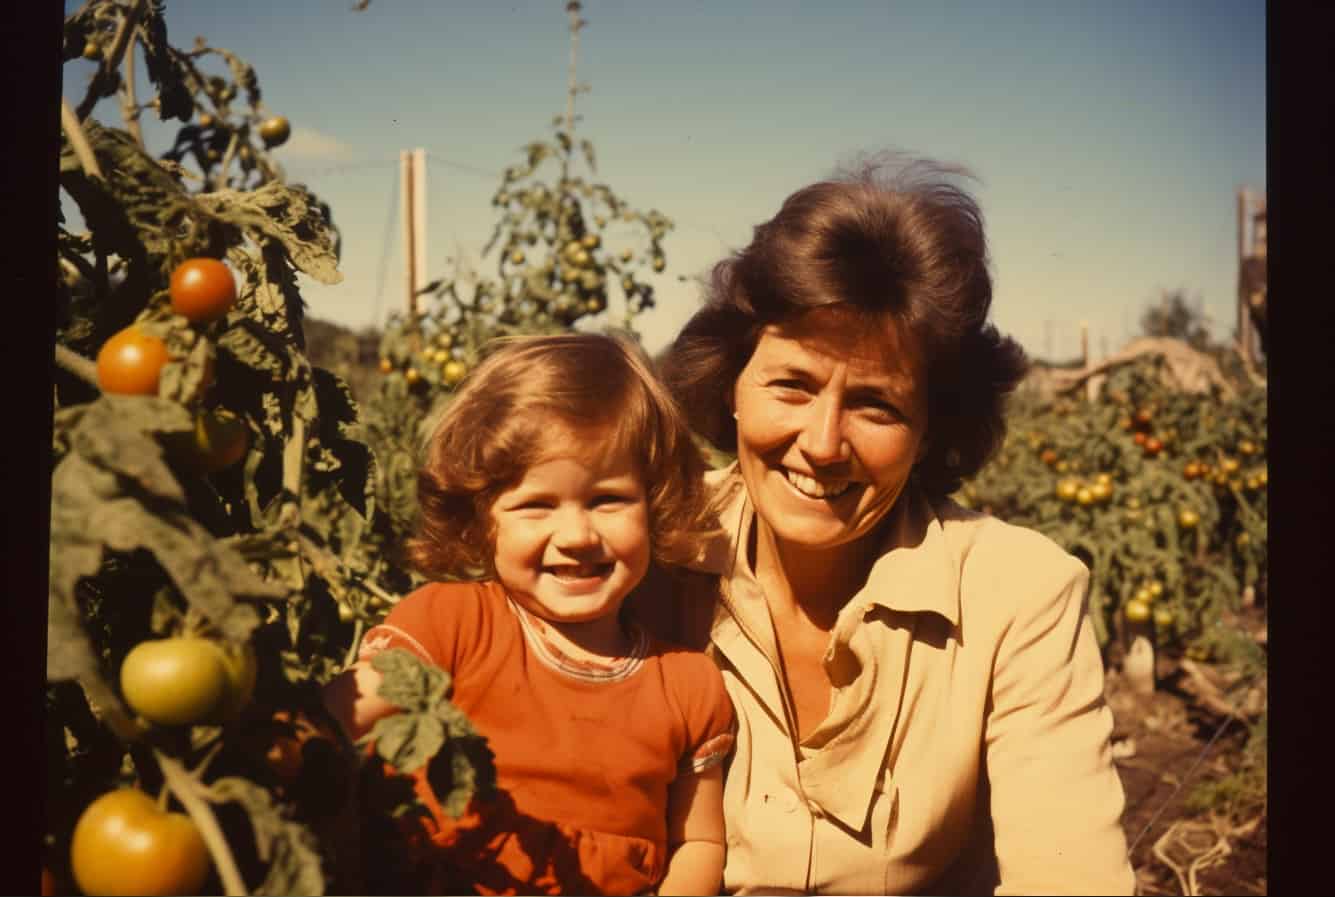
1166	743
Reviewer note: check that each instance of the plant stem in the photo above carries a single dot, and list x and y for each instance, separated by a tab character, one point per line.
187	791
79	141
107	708
356	643
223	178
76	364
129	107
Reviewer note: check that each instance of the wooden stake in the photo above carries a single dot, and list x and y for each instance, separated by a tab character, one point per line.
419	220
409	238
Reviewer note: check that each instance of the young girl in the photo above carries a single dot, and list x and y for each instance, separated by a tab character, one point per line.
560	472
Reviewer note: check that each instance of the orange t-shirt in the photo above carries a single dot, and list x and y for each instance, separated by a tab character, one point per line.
584	753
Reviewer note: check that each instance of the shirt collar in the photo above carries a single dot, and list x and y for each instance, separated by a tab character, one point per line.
918	569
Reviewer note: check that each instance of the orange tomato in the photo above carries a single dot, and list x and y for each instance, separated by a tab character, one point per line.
124	844
130	362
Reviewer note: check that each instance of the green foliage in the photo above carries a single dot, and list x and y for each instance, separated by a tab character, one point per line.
1181	508
429	729
274	551
1241	793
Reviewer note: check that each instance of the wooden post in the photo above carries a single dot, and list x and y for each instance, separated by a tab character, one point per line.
1084	344
406	195
419	219
1245	338
412	200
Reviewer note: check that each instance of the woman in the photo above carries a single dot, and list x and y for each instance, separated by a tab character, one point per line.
918	687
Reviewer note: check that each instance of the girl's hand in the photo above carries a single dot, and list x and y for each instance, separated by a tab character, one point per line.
353	699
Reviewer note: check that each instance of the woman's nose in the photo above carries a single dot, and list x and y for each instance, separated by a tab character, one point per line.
822	437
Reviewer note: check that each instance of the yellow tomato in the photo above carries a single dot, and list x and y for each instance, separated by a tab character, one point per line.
1137	611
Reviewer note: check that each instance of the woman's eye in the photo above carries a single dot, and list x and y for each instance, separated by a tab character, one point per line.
881	409
789	387
609	500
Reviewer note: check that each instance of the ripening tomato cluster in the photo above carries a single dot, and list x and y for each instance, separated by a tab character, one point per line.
125	842
212	137
437	364
203	291
1096	491
1140	424
1154	489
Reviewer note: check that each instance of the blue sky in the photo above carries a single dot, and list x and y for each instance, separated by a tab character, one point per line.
1109	138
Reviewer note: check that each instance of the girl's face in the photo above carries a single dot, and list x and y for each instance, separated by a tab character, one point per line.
831	418
572	536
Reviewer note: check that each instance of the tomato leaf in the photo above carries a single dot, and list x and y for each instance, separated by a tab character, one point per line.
250	344
472	771
166	66
190	371
409	683
282	212
114	433
407	740
288	848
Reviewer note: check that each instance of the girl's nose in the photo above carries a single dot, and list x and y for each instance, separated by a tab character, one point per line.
574	529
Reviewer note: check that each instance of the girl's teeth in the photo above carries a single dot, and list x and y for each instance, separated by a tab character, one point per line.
577	572
813	488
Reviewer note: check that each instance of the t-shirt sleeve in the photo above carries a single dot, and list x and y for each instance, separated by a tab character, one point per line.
707	710
428	623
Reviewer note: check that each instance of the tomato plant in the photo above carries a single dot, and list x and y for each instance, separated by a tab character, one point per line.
125	844
202	289
217	535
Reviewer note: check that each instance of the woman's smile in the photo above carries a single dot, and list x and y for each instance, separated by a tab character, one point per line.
822	489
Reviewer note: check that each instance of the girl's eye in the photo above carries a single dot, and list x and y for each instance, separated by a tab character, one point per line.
532	505
609	500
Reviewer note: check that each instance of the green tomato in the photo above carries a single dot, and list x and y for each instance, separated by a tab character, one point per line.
174	681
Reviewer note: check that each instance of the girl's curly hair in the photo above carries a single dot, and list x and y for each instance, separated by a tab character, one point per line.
516	408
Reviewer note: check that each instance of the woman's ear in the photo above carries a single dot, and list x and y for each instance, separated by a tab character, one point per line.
924	446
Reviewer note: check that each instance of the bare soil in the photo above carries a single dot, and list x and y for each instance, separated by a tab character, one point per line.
1166	743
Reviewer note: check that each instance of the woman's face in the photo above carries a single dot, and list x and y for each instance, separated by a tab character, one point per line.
831	417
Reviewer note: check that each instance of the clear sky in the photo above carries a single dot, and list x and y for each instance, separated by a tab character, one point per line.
1109	138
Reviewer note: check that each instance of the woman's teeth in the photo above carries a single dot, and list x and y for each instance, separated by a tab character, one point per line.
814	488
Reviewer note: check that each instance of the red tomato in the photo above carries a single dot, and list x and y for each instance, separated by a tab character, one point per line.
202	289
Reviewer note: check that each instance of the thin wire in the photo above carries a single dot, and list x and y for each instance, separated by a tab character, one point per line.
1182	784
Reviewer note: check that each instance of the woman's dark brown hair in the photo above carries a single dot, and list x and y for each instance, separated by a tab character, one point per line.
516	409
887	237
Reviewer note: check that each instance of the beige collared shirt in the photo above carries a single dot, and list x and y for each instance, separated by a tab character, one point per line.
966	749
